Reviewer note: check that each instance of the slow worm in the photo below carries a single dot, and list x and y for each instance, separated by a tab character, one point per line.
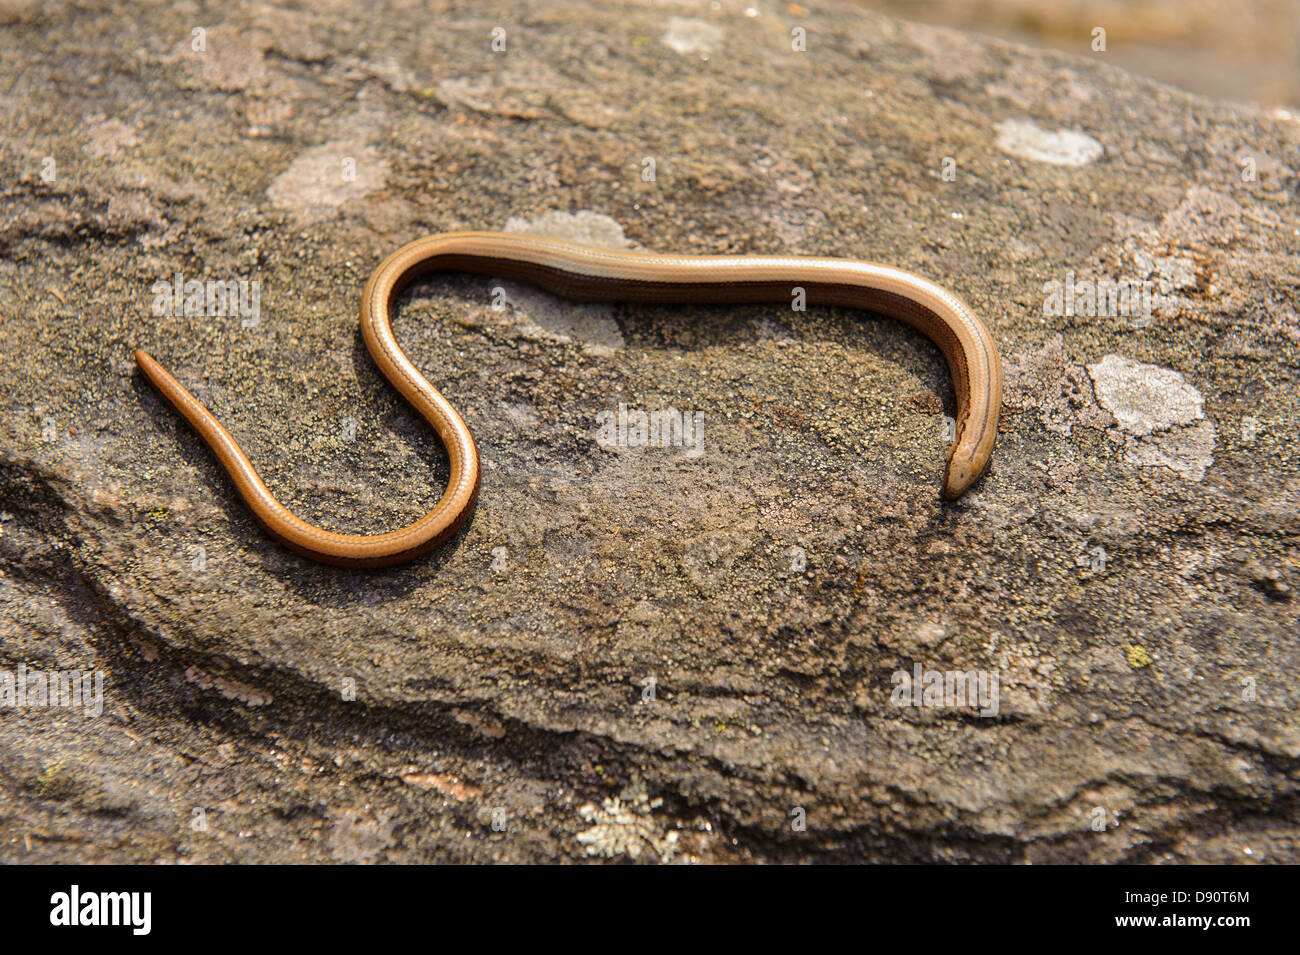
583	273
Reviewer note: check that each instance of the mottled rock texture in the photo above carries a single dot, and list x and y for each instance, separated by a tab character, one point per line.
636	653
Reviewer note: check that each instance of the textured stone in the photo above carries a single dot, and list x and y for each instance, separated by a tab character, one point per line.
631	651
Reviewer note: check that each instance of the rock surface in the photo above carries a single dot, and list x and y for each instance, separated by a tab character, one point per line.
636	653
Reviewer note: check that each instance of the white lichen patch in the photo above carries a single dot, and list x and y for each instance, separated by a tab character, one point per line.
585	226
625	825
1189	451
1065	147
689	35
539	315
230	689
1160	417
1144	398
324	177
108	139
1047	379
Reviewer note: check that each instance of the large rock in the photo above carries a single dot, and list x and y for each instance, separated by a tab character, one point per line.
639	653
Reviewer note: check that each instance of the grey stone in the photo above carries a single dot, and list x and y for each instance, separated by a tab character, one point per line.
629	651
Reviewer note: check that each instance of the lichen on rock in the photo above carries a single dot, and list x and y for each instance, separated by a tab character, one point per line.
723	627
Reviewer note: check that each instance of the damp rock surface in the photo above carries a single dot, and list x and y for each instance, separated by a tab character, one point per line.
773	643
